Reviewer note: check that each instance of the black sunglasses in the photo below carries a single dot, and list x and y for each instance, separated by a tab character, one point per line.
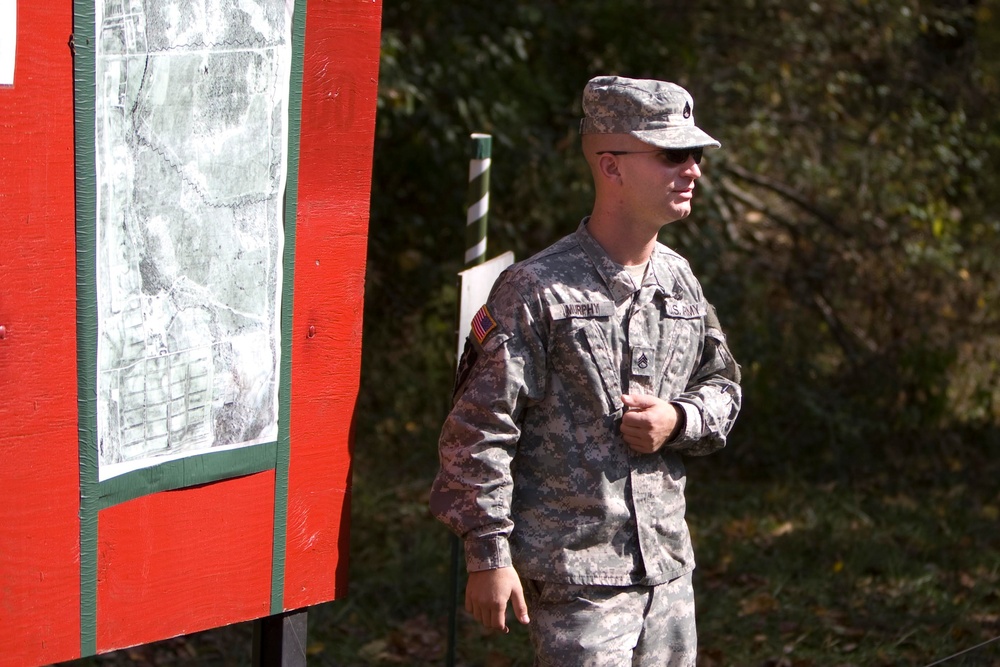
674	155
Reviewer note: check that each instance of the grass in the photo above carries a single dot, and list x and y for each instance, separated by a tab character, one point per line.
890	569
898	564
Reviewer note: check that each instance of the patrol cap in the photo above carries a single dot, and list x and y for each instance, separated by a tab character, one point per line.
656	112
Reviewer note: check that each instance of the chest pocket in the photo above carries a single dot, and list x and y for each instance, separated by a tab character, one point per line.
586	376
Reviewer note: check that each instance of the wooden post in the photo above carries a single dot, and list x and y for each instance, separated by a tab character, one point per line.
280	640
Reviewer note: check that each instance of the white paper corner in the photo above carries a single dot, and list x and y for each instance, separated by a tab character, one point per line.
8	41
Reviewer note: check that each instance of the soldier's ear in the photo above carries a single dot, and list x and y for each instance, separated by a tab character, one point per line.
607	167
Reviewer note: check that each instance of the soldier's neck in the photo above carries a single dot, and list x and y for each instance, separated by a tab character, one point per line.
627	244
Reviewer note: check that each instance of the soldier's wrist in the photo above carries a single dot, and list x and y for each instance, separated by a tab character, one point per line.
679	423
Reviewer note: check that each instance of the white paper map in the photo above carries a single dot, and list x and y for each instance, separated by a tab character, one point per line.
191	137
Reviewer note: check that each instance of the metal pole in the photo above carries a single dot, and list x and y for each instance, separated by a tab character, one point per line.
476	218
456	548
280	640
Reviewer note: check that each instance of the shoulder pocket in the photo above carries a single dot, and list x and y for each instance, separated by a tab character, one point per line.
471	354
716	357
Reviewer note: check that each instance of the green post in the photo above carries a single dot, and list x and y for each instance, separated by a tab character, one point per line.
478	200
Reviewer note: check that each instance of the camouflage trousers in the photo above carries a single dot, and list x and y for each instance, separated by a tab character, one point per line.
611	626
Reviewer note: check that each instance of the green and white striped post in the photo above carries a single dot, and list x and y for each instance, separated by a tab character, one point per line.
476	218
479	200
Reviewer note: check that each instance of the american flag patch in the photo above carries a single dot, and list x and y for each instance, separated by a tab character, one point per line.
482	324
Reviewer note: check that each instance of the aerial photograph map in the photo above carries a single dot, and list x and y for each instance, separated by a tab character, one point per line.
191	141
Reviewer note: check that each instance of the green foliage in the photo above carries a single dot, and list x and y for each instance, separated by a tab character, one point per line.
858	186
847	231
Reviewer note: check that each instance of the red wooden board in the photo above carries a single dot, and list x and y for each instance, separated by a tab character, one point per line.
338	125
39	469
177	561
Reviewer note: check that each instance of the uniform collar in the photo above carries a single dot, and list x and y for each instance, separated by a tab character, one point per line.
614	275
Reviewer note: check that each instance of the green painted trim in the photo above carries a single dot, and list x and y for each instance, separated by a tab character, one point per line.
84	96
190	471
287	332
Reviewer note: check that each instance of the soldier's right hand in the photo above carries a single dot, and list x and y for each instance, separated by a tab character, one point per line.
487	594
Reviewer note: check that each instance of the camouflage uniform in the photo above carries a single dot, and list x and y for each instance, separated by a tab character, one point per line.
609	626
534	471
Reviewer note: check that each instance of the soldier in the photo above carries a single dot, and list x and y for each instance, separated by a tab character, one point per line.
591	369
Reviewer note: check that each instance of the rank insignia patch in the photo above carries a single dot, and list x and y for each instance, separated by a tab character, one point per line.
482	324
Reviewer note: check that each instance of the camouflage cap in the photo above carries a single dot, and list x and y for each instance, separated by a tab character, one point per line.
656	112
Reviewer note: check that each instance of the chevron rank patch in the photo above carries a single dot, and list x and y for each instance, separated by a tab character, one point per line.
483	324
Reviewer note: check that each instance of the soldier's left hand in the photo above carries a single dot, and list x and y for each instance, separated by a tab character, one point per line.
648	423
